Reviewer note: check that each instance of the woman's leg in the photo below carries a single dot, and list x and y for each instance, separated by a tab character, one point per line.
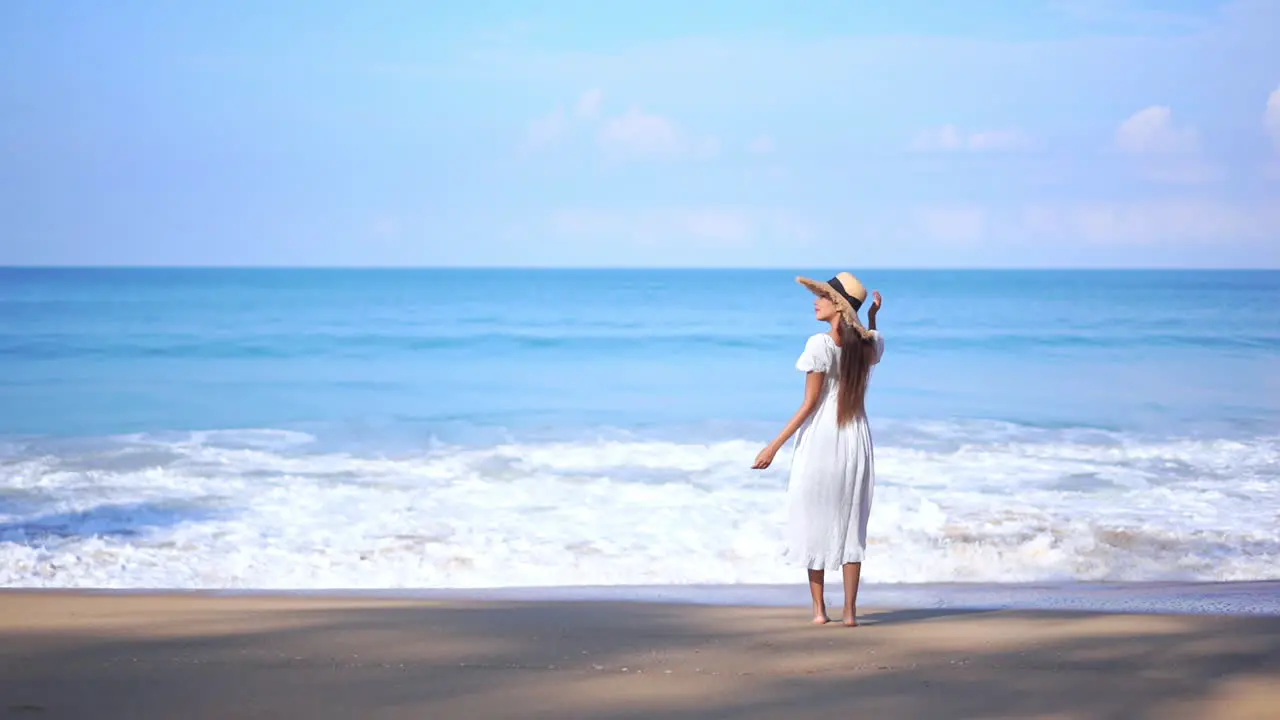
852	573
816	580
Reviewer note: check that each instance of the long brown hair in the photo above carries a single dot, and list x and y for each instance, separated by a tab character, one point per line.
856	348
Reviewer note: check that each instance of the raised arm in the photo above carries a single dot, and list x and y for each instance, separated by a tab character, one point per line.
875	308
812	391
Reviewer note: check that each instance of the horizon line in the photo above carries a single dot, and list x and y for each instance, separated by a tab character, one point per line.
668	268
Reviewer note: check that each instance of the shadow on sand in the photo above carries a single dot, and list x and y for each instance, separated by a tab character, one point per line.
212	657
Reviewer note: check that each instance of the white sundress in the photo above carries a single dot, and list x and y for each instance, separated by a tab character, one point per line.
832	472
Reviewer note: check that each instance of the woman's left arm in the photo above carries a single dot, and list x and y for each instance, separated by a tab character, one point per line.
875	308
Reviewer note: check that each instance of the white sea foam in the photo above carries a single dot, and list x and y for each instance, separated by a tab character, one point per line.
267	509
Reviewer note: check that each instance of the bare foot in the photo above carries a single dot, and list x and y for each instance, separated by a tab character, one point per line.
821	619
850	620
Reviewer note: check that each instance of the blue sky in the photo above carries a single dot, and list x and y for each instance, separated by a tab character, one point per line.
1018	133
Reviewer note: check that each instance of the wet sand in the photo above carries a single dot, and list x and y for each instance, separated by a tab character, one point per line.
188	656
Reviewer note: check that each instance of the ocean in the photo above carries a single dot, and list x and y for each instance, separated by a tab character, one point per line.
313	429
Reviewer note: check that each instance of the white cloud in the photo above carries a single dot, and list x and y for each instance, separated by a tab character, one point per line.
634	133
641	133
708	227
553	127
721	227
1167	222
1165	152
1109	12
545	131
384	226
999	140
952	224
707	147
637	133
762	145
950	138
946	137
1192	170
1159	224
1272	116
1152	131
588	106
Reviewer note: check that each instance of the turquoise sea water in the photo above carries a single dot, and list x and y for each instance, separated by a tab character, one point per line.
456	428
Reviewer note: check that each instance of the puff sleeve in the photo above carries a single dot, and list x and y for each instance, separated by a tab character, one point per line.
817	354
879	343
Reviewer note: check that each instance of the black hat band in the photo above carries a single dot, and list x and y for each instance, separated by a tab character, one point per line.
839	287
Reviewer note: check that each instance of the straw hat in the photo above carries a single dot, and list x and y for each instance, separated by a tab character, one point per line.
845	290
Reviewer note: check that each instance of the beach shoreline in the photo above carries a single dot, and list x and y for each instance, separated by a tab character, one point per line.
1235	598
197	654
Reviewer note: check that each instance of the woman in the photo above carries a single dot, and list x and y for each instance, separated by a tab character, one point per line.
833	466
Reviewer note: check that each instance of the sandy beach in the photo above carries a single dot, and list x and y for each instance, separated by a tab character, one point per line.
81	655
